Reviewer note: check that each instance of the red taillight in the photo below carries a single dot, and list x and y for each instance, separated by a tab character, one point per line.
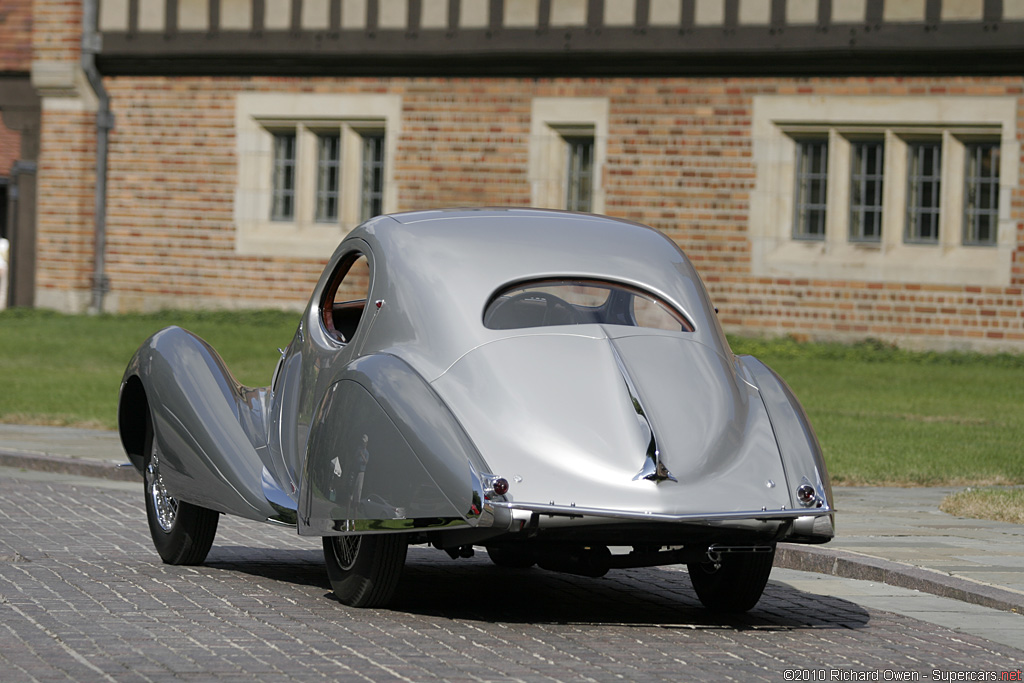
806	496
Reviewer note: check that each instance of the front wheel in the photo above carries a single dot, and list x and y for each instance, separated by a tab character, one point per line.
182	533
733	585
365	570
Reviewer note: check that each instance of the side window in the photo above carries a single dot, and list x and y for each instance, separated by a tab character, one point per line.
345	298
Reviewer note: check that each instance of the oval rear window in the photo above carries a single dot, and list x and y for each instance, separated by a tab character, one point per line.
580	302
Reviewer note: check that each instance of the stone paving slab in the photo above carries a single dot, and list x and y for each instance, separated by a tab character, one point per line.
1000	627
86	452
905	525
83	596
885	534
70	442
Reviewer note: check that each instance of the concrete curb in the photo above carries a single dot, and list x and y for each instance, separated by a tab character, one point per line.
62	464
851	565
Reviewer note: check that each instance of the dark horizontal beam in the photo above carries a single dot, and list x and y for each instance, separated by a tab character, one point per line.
943	48
799	65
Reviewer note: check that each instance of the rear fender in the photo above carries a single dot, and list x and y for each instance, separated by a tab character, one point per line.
208	428
386	454
799	447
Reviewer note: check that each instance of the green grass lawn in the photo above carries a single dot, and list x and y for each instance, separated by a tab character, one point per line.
888	416
883	415
66	369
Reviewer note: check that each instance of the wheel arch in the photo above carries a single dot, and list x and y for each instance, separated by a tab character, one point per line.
178	391
134	420
801	453
386	454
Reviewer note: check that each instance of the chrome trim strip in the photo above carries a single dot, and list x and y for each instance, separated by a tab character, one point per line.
573	511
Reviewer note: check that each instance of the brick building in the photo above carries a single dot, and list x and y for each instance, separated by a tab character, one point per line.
834	168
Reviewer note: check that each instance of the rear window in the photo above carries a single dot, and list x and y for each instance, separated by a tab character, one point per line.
580	302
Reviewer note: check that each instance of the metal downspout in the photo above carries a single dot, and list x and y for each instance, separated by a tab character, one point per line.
91	40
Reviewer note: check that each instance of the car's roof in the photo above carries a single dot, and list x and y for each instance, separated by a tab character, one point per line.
442	266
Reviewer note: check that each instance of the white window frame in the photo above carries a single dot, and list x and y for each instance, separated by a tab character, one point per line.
553	119
779	120
257	117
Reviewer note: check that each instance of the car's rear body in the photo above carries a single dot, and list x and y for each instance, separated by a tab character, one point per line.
469	398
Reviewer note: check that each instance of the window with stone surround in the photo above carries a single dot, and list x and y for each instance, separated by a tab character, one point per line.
579	172
568	146
328	161
867	176
811	188
924	191
904	189
282	204
981	192
310	168
371	187
330	171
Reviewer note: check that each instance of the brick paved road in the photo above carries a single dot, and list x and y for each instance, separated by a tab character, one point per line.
84	597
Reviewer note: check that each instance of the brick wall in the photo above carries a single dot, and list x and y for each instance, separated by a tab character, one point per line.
465	143
679	158
10	149
16	35
57	30
171	186
64	214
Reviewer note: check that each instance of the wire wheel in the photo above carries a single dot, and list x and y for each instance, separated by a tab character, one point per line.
346	551
182	533
165	506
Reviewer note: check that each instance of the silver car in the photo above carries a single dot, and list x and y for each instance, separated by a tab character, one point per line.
553	387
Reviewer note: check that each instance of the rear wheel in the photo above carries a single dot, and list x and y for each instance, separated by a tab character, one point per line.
733	585
182	533
365	570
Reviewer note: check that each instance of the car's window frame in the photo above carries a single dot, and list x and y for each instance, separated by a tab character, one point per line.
686	325
328	306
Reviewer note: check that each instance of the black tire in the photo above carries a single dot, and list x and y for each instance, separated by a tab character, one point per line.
182	533
365	570
511	558
736	584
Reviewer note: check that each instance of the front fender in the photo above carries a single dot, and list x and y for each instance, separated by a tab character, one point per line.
386	454
207	427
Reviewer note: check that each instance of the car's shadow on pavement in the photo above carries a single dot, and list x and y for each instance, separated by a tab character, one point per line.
476	590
